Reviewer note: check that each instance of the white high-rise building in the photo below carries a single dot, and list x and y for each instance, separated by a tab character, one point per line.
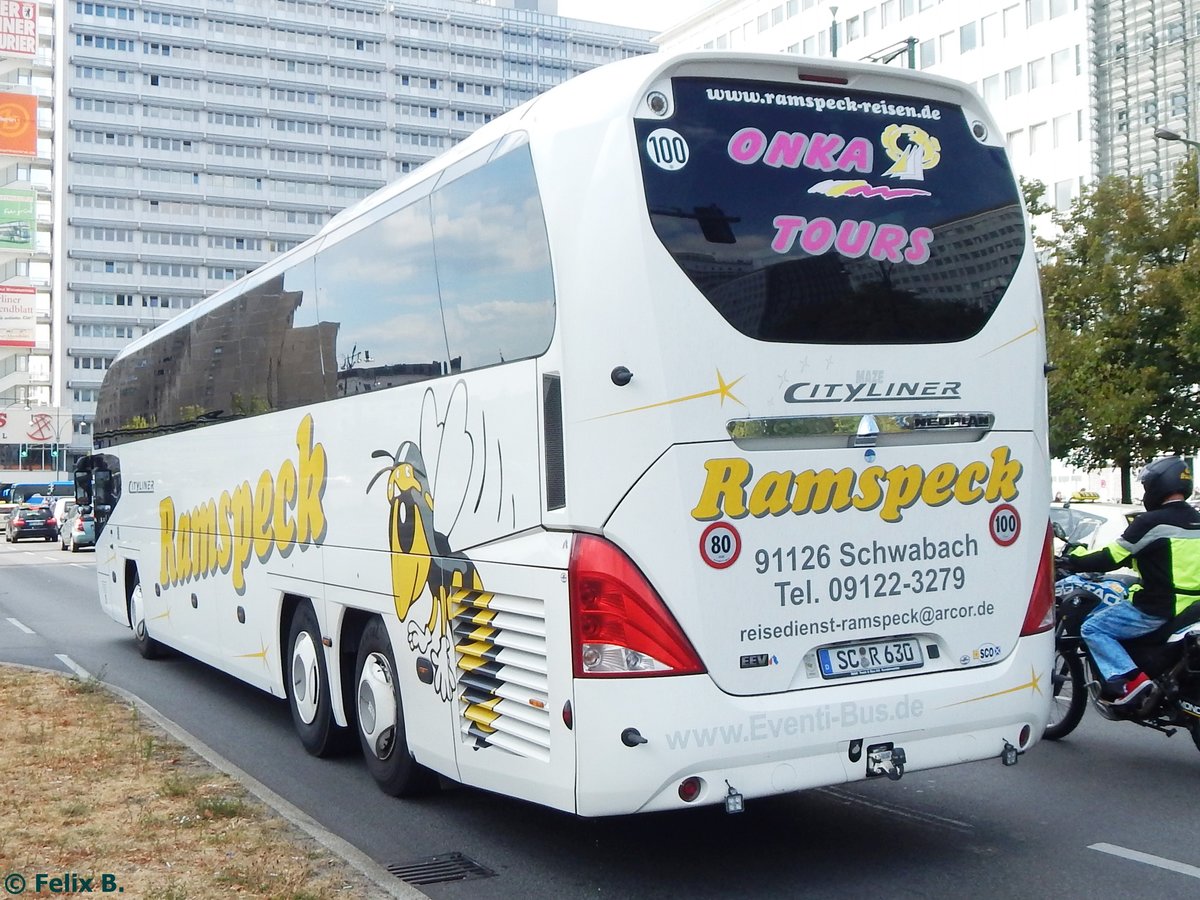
193	142
26	229
1028	58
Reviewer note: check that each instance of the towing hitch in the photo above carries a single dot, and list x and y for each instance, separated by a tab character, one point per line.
885	759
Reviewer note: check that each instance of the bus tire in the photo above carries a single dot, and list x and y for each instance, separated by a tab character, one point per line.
381	718
1070	695
308	684
147	646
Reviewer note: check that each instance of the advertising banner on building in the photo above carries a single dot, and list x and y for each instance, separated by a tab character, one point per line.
18	316
18	27
18	123
18	220
42	425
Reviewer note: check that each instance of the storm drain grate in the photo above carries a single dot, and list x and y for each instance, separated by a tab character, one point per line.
443	867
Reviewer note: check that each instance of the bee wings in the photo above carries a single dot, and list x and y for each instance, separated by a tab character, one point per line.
450	455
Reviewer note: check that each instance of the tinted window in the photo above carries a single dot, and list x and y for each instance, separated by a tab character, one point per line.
379	292
259	351
832	216
493	264
422	287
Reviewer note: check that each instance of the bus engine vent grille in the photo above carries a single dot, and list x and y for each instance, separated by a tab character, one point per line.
500	643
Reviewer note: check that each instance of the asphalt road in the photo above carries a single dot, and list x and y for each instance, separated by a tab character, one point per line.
1107	813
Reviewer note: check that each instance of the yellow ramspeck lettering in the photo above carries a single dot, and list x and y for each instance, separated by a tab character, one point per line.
224	533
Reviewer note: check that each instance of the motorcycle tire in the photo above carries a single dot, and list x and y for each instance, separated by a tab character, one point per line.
1070	695
1196	734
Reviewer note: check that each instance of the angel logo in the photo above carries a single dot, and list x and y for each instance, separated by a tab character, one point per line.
912	150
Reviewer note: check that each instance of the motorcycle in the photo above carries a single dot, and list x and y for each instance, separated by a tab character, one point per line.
1170	656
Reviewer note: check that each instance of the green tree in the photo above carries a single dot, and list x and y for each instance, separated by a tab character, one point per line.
1121	285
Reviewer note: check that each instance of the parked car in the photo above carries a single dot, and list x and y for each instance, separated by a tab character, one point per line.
31	522
78	529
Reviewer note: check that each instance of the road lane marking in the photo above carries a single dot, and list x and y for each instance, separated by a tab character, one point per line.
21	625
1137	856
73	666
893	809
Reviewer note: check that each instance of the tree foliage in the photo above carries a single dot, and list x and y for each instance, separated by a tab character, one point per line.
1121	286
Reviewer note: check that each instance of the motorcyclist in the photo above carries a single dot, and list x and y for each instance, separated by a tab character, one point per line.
1163	546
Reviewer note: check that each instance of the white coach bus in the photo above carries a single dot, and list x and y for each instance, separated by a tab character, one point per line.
677	438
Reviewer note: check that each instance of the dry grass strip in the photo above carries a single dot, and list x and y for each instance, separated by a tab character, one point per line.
88	786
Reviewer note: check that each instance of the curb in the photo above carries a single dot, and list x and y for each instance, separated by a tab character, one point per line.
387	883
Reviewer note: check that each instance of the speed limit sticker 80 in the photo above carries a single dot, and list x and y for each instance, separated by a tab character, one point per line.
720	545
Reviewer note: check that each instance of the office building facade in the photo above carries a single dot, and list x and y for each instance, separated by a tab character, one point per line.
29	425
1028	58
194	142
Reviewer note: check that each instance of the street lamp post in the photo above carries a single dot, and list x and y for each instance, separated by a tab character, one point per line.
1165	134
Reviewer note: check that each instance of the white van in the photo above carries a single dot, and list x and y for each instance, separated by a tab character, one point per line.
63	507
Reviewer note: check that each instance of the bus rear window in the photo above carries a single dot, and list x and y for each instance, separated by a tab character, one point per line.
815	215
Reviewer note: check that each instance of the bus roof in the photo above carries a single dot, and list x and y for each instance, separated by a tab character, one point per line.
595	95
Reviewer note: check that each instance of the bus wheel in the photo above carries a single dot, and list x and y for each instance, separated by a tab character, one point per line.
147	646
308	684
381	718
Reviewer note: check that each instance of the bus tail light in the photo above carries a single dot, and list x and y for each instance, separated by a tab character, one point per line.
1040	615
619	624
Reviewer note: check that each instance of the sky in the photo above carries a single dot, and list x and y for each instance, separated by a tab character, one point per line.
653	15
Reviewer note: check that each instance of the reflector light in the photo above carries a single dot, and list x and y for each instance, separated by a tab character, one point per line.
1026	734
1039	616
620	626
689	788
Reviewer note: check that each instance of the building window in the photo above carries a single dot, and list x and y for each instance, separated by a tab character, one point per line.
1037	137
1064	130
991	89
1037	73
1012	82
966	37
928	53
1013	21
1060	66
947	45
1063	191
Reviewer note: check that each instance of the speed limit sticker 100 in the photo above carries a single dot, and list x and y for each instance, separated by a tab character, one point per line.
1005	524
720	545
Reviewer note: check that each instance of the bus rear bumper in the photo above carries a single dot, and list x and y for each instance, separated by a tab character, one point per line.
776	744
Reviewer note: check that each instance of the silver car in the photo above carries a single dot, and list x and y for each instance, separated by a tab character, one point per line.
78	529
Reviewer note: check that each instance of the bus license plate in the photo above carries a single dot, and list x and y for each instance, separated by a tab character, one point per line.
870	658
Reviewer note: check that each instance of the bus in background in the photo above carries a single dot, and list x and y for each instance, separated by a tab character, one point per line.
14	495
677	438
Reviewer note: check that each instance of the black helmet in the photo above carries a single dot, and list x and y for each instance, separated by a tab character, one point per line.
1164	477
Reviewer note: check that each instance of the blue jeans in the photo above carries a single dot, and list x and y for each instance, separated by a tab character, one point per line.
1104	629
